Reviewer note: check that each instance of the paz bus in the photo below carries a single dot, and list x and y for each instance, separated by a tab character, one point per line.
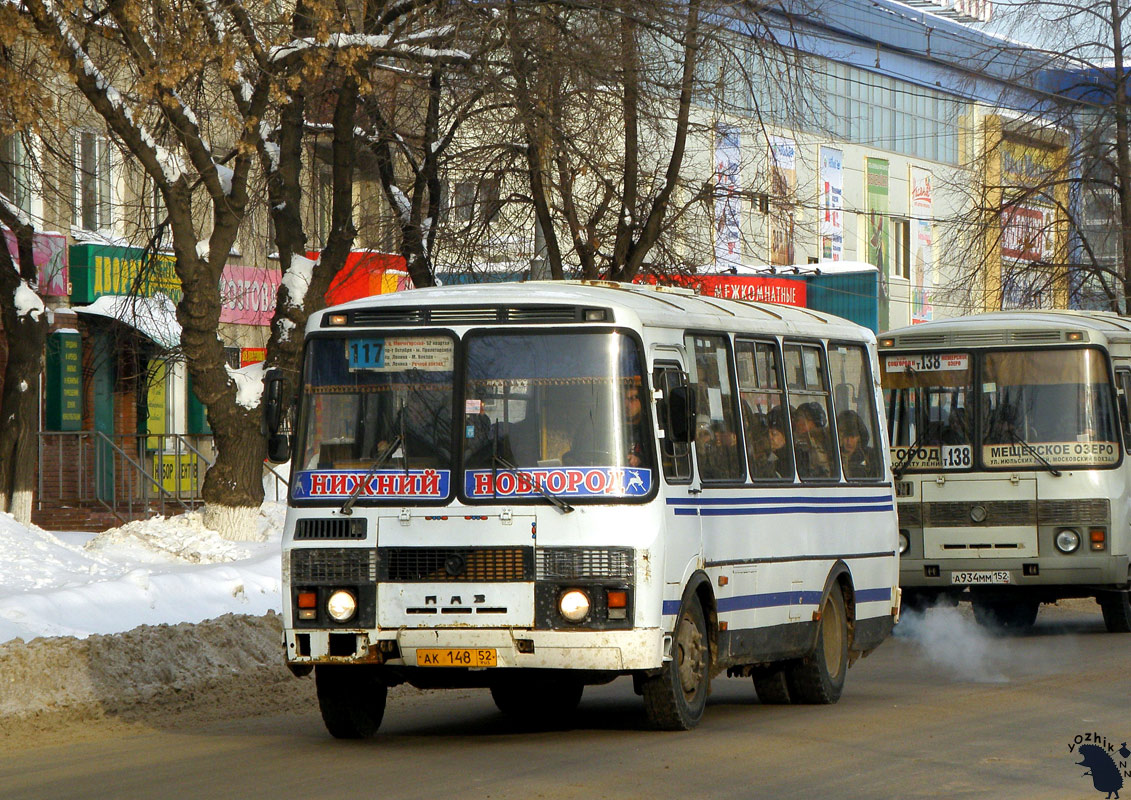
536	487
1007	439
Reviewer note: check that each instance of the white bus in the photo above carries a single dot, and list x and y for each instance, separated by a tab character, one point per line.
536	487
1007	433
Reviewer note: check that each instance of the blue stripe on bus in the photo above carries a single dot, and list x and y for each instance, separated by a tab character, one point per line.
777	599
737	512
764	500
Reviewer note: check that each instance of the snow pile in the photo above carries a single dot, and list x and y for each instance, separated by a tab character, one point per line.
160	571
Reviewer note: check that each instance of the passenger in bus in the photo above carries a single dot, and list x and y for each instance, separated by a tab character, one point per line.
810	441
857	459
957	429
763	459
1002	425
779	443
634	425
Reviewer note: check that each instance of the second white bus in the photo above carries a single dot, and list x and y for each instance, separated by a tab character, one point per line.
1008	436
536	487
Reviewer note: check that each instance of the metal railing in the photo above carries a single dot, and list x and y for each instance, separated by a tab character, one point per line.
130	475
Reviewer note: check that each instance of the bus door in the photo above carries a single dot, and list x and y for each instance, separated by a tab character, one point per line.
683	542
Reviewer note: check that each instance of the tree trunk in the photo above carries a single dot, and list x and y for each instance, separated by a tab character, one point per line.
19	404
19	411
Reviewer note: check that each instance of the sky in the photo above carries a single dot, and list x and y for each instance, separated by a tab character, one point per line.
145	573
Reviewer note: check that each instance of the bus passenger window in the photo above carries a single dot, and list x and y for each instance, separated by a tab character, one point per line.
763	423
717	447
675	457
856	422
809	399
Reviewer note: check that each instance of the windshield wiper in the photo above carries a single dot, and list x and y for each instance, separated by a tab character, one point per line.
897	470
1033	452
561	505
382	457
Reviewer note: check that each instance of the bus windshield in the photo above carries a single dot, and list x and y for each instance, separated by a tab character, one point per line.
567	409
1033	409
376	399
1058	402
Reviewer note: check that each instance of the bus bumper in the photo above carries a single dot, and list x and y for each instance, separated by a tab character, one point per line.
1078	575
601	651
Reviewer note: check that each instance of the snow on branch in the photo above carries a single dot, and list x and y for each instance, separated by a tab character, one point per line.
383	44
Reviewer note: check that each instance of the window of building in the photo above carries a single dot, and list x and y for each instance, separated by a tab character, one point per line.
901	252
91	181
14	172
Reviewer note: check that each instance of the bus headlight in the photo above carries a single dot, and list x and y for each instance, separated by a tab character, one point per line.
574	605
341	605
904	542
1067	540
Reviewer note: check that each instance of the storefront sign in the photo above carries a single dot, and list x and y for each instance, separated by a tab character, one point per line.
97	270
366	274
64	381
252	355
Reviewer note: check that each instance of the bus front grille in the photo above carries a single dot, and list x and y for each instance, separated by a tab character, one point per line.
330	528
320	566
584	563
455	564
1093	511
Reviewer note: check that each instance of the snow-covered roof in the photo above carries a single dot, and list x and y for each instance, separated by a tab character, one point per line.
155	317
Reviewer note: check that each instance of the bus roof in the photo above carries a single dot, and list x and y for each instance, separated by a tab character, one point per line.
1019	327
629	302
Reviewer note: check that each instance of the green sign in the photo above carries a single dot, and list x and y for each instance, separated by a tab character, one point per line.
64	381
97	270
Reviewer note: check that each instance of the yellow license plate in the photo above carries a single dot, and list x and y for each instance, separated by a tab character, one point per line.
456	657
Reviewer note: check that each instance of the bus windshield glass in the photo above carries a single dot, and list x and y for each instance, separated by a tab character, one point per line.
557	413
929	397
1000	409
1056	405
376	418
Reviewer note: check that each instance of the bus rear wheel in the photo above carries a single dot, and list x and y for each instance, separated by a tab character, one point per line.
537	698
674	699
1008	616
351	699
1116	607
818	679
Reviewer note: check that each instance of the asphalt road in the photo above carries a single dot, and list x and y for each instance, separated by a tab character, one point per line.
941	710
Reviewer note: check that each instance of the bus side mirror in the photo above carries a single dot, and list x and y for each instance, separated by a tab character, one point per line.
278	444
679	412
273	400
279	447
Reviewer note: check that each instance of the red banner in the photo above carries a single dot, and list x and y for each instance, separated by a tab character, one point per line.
366	274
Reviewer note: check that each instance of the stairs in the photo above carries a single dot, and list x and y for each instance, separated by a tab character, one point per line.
86	518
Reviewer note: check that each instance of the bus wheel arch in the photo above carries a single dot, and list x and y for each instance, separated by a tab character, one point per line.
840	579
675	696
818	677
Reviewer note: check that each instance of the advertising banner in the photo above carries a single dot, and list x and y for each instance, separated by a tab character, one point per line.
922	244
49	251
728	204
876	172
831	204
247	294
783	182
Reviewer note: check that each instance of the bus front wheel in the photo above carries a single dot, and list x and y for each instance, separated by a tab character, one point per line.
1116	607
819	677
674	699
351	699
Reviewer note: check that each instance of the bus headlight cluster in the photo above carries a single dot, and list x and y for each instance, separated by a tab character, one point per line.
904	542
1067	540
341	605
574	605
